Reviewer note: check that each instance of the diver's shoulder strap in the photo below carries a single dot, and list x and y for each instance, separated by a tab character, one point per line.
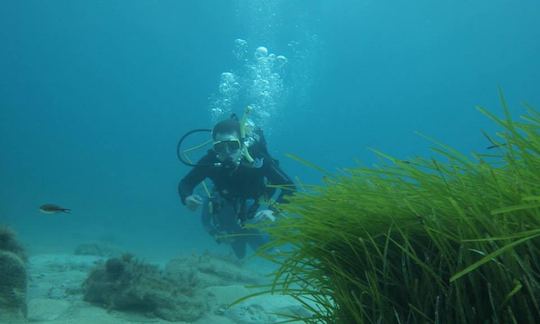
260	141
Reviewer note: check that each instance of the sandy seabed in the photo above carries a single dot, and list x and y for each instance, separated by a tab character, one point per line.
55	295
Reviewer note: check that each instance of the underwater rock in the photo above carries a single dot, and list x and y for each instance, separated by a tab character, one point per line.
201	271
251	314
127	284
13	279
9	243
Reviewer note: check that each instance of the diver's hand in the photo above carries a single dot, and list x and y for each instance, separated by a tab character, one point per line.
265	214
193	202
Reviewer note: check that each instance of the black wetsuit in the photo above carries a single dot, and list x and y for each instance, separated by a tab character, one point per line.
237	189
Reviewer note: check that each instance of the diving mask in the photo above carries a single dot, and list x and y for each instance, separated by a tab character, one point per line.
227	147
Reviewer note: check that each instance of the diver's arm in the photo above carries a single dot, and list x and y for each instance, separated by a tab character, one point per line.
193	178
276	176
189	182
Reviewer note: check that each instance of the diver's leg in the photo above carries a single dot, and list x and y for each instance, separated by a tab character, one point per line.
206	218
239	247
256	238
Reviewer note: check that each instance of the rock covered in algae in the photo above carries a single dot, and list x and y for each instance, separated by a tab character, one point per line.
201	271
127	284
13	278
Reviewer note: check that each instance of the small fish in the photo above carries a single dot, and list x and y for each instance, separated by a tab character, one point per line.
53	209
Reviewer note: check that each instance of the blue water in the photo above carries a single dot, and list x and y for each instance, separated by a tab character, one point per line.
95	94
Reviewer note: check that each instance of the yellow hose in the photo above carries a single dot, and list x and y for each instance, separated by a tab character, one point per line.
243	121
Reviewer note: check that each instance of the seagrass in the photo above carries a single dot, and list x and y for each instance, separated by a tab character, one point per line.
449	239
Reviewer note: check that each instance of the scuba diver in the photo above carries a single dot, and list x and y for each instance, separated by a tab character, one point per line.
240	169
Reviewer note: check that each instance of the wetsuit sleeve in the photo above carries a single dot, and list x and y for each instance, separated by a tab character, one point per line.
277	176
193	178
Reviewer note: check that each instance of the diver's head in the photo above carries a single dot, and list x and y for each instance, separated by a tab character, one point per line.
227	142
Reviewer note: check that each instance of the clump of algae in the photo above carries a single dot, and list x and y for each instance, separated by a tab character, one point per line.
447	240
